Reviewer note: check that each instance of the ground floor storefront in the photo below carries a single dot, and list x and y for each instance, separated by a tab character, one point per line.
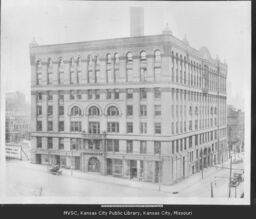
164	169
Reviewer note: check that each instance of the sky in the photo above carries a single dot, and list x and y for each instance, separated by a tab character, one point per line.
223	27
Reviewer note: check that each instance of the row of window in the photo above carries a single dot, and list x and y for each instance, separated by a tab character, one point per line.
111	146
92	76
176	94
94	127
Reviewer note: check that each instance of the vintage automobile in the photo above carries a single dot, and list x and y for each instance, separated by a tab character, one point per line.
55	170
238	177
234	183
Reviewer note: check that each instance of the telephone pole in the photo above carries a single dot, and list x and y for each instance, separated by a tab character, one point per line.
230	174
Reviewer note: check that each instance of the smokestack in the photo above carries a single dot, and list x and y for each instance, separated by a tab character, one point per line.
136	21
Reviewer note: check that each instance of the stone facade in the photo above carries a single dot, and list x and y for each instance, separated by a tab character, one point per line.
148	107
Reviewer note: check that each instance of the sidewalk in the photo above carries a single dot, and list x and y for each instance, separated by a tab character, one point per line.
193	180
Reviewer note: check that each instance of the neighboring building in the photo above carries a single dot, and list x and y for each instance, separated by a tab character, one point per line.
18	151
144	107
235	129
17	117
17	127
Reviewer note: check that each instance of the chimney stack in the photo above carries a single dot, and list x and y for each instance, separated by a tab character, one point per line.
136	21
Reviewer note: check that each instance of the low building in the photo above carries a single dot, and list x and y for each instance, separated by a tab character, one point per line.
17	118
235	126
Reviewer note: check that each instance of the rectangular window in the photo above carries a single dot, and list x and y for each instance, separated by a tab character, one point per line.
117	166
39	79
94	127
61	77
157	128
143	110
129	146
143	127
143	147
75	126
143	93
61	110
129	110
129	127
72	77
39	142
97	94
113	145
113	127
61	143
49	110
75	144
49	126
49	143
50	77
49	96
157	93
89	94
157	147
129	94
108	94
72	95
61	126
157	110
38	110
173	147
39	125
39	97
79	95
116	94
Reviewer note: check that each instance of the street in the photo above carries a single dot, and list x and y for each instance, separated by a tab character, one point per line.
26	179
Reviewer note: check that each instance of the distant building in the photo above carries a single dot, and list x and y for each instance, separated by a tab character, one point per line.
17	118
146	107
235	129
18	151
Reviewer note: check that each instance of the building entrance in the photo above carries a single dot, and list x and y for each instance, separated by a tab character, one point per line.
94	165
38	159
133	169
109	166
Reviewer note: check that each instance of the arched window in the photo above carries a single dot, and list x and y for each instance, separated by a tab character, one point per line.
129	57
49	63
76	111
94	111
38	64
157	56
112	111
60	62
71	62
89	59
96	60
78	61
108	58
116	56
143	56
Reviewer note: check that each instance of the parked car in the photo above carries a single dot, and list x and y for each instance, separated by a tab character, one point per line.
238	177
55	170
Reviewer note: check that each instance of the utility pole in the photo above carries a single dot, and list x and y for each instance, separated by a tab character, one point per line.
72	161
159	173
230	174
211	190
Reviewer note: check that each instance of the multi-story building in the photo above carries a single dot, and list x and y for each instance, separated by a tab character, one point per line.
17	118
146	107
235	127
